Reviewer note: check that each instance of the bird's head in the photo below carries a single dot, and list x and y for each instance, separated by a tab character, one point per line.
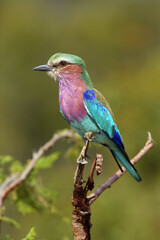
63	66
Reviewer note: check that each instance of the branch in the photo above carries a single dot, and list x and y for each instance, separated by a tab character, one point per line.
81	209
16	179
148	145
81	163
81	203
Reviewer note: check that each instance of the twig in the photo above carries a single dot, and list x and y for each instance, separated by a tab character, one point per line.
90	181
93	196
15	180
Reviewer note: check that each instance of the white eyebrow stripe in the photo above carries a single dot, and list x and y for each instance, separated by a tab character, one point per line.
58	60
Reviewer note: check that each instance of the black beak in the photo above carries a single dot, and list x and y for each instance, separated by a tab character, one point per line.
44	67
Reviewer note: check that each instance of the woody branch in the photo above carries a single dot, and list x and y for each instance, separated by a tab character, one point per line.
81	203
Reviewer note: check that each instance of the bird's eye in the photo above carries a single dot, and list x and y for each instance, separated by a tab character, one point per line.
63	63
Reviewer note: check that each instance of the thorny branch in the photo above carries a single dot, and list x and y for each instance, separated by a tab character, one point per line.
16	179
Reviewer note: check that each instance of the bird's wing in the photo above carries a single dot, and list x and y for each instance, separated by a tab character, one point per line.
104	102
100	111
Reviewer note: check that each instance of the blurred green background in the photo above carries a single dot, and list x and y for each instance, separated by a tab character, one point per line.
120	43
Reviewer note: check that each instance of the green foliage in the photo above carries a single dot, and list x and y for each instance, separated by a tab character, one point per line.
29	199
16	166
6	159
46	162
11	221
31	235
32	195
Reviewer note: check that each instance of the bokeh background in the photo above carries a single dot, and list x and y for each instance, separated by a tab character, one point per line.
120	43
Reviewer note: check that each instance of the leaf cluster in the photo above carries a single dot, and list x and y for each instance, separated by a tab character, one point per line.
30	236
32	195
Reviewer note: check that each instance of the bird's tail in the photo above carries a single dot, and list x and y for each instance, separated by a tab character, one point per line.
122	157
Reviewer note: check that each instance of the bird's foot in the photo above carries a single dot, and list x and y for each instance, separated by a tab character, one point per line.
82	159
89	136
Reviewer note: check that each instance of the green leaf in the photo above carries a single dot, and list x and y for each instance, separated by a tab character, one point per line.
24	208
11	221
6	159
46	162
16	167
33	179
48	194
31	235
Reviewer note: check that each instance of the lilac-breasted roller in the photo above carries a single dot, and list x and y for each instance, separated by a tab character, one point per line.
84	108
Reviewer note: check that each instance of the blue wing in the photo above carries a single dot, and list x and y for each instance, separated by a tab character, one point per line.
102	115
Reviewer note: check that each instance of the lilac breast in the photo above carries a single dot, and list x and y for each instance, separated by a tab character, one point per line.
71	99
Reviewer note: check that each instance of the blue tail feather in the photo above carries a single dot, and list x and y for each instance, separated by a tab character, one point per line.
116	160
124	160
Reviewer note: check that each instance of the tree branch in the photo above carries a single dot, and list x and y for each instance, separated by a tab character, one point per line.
82	160
16	179
81	203
148	145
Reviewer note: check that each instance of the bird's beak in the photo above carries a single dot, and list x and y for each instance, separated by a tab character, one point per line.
44	67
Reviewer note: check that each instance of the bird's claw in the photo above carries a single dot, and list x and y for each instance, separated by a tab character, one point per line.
89	136
83	155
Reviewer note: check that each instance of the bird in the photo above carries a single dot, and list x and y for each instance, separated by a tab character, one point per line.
85	108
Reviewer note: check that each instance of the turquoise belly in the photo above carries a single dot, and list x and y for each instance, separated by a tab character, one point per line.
88	125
